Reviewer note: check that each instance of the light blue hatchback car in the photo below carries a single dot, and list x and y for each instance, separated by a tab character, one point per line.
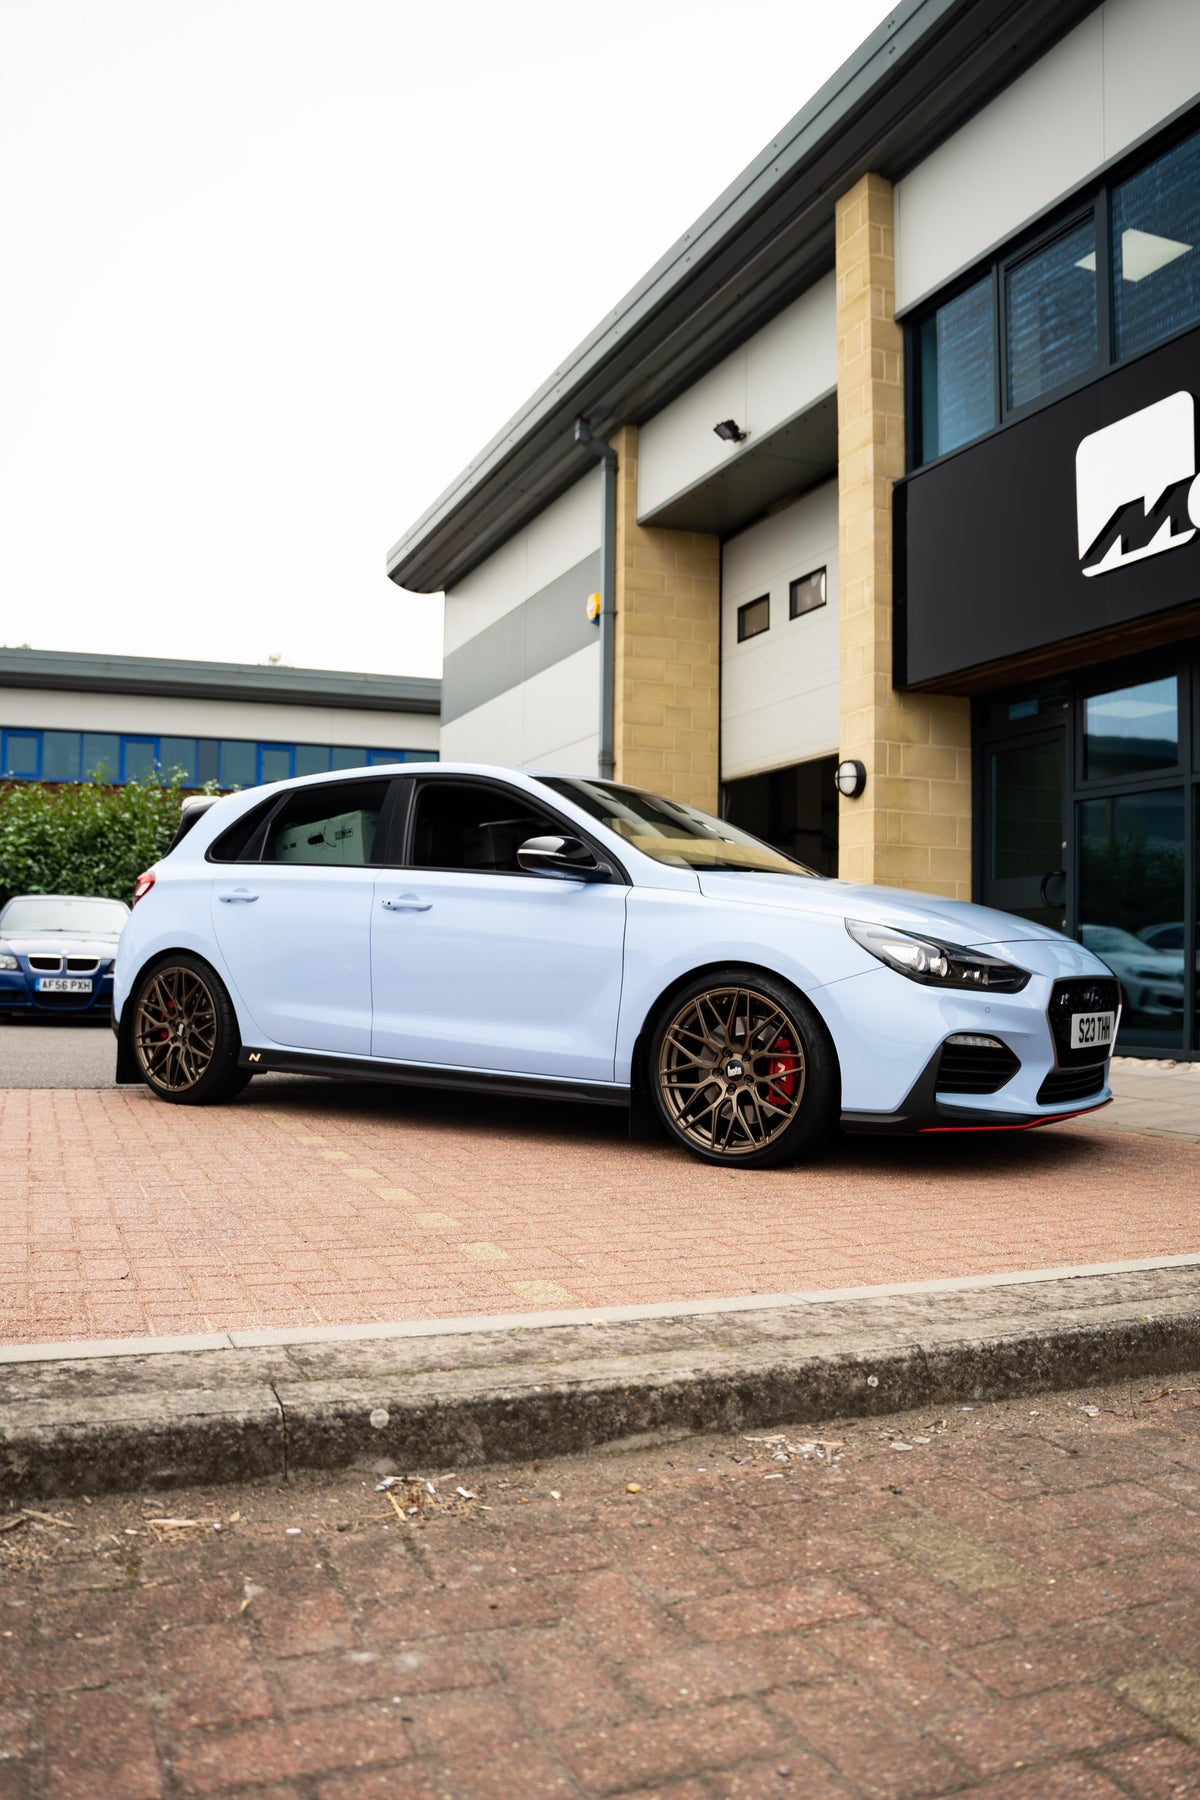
463	926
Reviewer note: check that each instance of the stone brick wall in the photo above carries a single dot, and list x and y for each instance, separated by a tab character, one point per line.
912	826
668	630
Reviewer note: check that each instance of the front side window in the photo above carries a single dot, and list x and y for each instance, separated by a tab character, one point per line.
956	348
673	833
465	825
1156	250
334	826
1052	334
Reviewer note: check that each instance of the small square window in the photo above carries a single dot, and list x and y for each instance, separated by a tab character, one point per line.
806	594
754	618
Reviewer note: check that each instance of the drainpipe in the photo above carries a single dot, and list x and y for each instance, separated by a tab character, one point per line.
608	588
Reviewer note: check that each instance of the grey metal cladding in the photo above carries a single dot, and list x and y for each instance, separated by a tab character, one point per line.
541	631
87	672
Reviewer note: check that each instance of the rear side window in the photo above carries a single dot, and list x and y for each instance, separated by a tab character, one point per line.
334	826
239	843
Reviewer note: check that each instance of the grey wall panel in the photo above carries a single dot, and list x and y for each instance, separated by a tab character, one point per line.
550	625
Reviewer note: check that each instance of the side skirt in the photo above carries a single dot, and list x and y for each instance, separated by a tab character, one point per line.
474	1081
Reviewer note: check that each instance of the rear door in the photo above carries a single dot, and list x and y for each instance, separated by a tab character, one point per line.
294	925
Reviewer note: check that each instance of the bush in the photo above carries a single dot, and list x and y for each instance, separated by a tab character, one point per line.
84	839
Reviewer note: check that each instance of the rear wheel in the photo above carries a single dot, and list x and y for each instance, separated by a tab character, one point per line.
185	1036
743	1071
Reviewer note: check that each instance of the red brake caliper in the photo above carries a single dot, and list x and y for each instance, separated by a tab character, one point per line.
784	1066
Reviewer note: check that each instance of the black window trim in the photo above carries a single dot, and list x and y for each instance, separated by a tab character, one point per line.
746	637
570	828
821	569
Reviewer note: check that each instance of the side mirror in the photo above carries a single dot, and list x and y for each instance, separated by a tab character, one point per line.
566	857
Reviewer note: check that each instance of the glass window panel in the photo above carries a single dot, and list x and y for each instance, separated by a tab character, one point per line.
60	756
1131	880
312	759
1156	250
332	825
21	754
1027	803
807	594
276	762
137	758
1051	315
208	767
101	755
957	354
237	764
376	757
347	756
754	618
418	756
1132	730
175	754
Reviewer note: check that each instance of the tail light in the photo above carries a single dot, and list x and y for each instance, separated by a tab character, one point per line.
142	886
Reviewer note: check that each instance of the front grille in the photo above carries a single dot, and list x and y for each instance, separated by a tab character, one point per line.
1071	1084
1089	994
46	965
82	965
975	1068
66	1001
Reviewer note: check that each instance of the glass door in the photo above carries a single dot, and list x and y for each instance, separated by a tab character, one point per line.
1025	861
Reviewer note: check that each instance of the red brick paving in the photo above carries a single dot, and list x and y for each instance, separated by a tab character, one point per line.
318	1204
603	1643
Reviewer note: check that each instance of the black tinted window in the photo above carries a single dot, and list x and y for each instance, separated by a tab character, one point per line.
332	825
237	844
461	826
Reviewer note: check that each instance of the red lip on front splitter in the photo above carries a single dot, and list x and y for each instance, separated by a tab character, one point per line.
1025	1125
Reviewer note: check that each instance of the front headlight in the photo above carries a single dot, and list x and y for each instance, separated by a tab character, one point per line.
936	964
7	961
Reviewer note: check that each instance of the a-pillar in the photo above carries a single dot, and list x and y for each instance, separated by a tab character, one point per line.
912	825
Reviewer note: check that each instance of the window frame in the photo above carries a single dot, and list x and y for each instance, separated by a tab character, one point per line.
823	571
747	637
404	827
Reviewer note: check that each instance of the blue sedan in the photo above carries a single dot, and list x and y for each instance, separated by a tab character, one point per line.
554	935
57	953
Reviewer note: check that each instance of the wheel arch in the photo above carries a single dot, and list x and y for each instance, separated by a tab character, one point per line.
128	1073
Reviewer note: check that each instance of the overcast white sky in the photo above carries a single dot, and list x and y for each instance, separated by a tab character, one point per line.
277	269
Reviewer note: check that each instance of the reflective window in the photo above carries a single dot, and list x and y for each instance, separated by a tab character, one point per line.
1156	250
178	756
1131	730
21	754
312	759
276	762
207	761
328	825
347	756
137	758
60	756
1050	308
957	352
237	765
101	755
1131	883
805	595
1027	805
467	825
671	832
754	618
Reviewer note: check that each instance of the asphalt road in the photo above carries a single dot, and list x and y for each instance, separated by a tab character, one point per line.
57	1055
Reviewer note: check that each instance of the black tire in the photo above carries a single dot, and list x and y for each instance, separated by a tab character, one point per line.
184	1033
742	1070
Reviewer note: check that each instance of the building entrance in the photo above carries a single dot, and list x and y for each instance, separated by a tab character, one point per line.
795	809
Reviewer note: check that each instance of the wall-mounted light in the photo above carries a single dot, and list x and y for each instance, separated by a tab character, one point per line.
850	778
593	608
730	431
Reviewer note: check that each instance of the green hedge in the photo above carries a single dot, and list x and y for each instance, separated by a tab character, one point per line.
83	839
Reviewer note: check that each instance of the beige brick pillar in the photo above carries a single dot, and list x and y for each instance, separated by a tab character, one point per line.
912	826
666	701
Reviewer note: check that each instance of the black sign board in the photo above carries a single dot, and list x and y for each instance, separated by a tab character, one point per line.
1083	516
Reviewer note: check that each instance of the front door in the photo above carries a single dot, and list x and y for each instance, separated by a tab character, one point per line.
1026	869
476	964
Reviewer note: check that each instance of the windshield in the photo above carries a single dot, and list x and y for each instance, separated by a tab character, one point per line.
63	912
671	832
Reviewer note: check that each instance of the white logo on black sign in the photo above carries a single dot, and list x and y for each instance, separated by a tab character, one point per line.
1136	487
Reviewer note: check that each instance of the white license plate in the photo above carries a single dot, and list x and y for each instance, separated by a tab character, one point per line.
1092	1031
62	984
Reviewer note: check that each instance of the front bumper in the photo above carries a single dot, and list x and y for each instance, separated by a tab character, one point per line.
19	995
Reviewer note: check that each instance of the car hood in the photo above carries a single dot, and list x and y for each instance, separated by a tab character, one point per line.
57	943
955	921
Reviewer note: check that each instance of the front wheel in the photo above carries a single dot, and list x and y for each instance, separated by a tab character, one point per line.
743	1071
185	1035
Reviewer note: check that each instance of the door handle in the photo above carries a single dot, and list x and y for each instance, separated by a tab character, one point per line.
239	897
407	903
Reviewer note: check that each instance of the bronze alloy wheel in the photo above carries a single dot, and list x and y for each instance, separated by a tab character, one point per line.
175	1029
731	1071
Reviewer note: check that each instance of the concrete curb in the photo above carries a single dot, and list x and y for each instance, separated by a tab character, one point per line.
178	1417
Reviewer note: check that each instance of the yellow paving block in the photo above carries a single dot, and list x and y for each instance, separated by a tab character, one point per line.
401	1194
485	1252
363	1174
334	1155
433	1221
545	1293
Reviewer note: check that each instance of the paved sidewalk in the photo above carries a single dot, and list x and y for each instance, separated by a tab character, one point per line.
1000	1602
314	1203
